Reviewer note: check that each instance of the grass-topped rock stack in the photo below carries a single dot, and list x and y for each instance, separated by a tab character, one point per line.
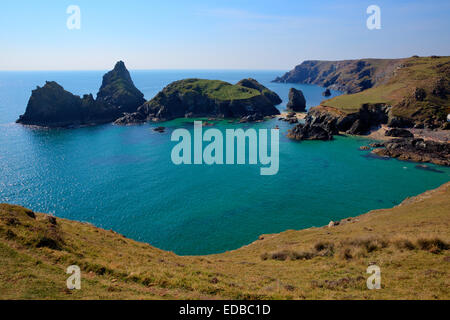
52	106
207	98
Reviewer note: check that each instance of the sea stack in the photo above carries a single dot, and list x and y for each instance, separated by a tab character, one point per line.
326	93
297	101
118	90
52	106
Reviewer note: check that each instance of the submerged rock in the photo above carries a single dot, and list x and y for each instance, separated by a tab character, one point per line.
297	101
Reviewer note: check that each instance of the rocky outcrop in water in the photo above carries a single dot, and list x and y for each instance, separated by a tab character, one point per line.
418	150
118	92
191	98
334	121
399	133
52	106
297	101
309	132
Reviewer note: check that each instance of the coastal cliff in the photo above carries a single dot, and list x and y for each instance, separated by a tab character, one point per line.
350	76
410	92
207	98
52	106
36	249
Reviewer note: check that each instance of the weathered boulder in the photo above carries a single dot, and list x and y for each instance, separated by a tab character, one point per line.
309	132
398	132
297	101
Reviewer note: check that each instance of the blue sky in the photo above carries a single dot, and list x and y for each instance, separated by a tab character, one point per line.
199	34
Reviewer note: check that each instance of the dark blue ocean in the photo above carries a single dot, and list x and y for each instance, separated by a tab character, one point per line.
122	178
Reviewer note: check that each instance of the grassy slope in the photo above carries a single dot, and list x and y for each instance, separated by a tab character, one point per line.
116	267
417	72
215	89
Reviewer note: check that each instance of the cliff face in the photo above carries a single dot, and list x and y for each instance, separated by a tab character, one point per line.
415	91
350	76
321	123
52	106
206	98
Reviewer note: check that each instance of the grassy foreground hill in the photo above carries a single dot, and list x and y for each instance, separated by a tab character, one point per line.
409	243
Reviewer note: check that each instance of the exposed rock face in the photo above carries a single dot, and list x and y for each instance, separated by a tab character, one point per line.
206	98
52	106
253	84
400	133
333	121
326	93
416	150
297	101
309	132
350	76
118	91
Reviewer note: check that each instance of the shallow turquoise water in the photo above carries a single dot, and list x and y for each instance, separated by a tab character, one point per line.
122	178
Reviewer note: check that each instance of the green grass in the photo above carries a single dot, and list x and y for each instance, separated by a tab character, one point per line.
409	242
398	91
214	89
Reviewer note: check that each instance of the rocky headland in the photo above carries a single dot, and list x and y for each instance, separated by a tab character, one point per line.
350	76
403	93
191	98
52	106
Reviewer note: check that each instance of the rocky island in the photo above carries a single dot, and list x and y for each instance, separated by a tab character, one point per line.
52	106
207	98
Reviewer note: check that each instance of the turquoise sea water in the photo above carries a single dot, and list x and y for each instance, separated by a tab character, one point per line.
122	178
